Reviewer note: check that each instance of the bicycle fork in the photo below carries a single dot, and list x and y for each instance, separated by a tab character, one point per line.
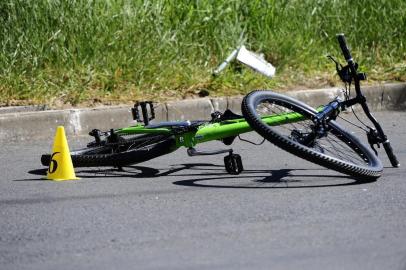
376	136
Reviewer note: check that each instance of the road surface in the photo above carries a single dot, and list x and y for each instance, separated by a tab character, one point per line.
177	212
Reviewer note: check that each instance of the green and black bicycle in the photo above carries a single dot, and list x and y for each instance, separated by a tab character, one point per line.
312	134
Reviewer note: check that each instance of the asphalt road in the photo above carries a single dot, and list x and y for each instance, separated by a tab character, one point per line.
177	212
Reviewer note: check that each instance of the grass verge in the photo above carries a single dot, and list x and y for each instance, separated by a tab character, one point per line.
69	53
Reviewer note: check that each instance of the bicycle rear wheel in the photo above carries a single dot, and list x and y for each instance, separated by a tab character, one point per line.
337	149
128	150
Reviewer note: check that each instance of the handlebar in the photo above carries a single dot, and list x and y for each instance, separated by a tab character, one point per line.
357	76
344	47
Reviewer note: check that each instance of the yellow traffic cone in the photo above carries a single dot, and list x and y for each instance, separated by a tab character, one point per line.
60	165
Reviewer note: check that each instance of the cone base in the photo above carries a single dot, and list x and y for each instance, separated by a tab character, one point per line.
59	180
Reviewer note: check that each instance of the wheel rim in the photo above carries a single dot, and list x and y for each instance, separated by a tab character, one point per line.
333	144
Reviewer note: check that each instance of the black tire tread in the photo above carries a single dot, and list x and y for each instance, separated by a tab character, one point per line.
133	156
372	172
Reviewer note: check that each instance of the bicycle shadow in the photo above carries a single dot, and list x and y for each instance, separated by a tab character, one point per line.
274	179
210	175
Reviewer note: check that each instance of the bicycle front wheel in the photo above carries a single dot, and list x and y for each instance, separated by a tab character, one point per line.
128	150
336	149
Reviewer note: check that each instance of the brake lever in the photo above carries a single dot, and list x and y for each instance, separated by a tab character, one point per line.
339	67
343	72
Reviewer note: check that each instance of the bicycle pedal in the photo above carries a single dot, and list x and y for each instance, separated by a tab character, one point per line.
233	164
147	110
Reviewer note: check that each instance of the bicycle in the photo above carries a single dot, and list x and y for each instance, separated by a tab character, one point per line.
312	134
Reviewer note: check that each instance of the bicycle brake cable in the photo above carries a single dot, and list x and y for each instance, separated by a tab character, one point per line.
244	140
347	94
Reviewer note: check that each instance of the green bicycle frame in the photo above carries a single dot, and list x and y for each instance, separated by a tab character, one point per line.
212	131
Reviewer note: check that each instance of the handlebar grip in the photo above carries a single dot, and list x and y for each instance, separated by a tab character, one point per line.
389	151
344	48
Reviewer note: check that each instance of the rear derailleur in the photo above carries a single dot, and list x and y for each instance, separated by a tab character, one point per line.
110	138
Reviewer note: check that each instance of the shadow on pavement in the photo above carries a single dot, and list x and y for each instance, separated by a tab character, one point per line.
213	176
282	178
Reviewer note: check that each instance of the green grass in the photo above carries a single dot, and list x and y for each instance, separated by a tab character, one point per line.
88	52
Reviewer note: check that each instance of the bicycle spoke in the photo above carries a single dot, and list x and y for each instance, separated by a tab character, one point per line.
330	145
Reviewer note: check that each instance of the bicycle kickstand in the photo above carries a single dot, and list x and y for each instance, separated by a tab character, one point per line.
232	162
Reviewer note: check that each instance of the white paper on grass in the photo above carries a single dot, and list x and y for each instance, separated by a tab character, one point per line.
256	62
